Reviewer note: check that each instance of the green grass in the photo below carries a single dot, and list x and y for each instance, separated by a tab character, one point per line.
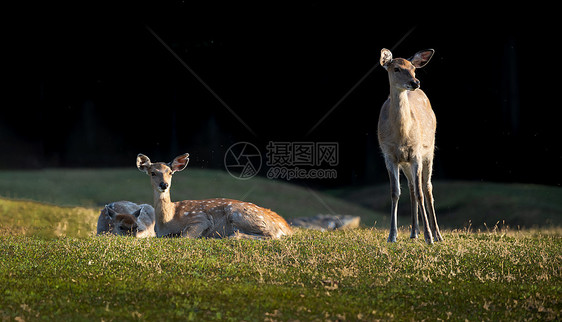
52	267
352	275
46	221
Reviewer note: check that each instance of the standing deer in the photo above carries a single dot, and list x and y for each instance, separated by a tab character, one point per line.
406	133
216	218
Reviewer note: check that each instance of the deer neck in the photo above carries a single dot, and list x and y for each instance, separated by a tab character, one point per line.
164	208
400	111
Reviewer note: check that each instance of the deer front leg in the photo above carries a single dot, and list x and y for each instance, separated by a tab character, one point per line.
413	203
430	204
394	176
418	191
414	209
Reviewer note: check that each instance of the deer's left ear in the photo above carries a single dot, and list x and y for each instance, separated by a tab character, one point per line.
180	162
421	58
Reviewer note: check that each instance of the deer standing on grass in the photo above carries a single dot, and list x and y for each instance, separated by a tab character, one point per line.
406	133
216	217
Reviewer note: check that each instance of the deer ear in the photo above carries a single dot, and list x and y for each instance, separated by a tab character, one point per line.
143	163
137	213
180	162
110	212
386	58
421	58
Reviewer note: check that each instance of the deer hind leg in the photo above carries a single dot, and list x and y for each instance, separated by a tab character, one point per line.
239	235
428	194
418	191
413	202
196	231
199	225
394	175
243	222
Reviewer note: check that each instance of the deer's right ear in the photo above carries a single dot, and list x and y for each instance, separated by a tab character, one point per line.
386	58
137	213
143	163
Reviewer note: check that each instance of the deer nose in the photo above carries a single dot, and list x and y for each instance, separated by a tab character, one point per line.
415	84
163	185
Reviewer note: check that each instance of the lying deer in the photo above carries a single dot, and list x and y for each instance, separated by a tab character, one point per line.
406	133
216	217
127	219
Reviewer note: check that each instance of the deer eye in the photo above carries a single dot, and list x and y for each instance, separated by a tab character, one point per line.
153	174
396	70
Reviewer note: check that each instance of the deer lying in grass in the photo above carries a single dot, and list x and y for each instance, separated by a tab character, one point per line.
327	222
215	218
127	219
406	132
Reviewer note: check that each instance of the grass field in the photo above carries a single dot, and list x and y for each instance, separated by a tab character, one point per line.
52	267
352	275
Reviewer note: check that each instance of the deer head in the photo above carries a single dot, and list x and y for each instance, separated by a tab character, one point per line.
161	173
401	72
123	224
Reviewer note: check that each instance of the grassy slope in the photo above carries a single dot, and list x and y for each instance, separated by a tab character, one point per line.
459	204
96	187
46	221
351	275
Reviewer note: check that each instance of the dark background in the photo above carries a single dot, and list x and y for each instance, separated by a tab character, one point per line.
89	85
